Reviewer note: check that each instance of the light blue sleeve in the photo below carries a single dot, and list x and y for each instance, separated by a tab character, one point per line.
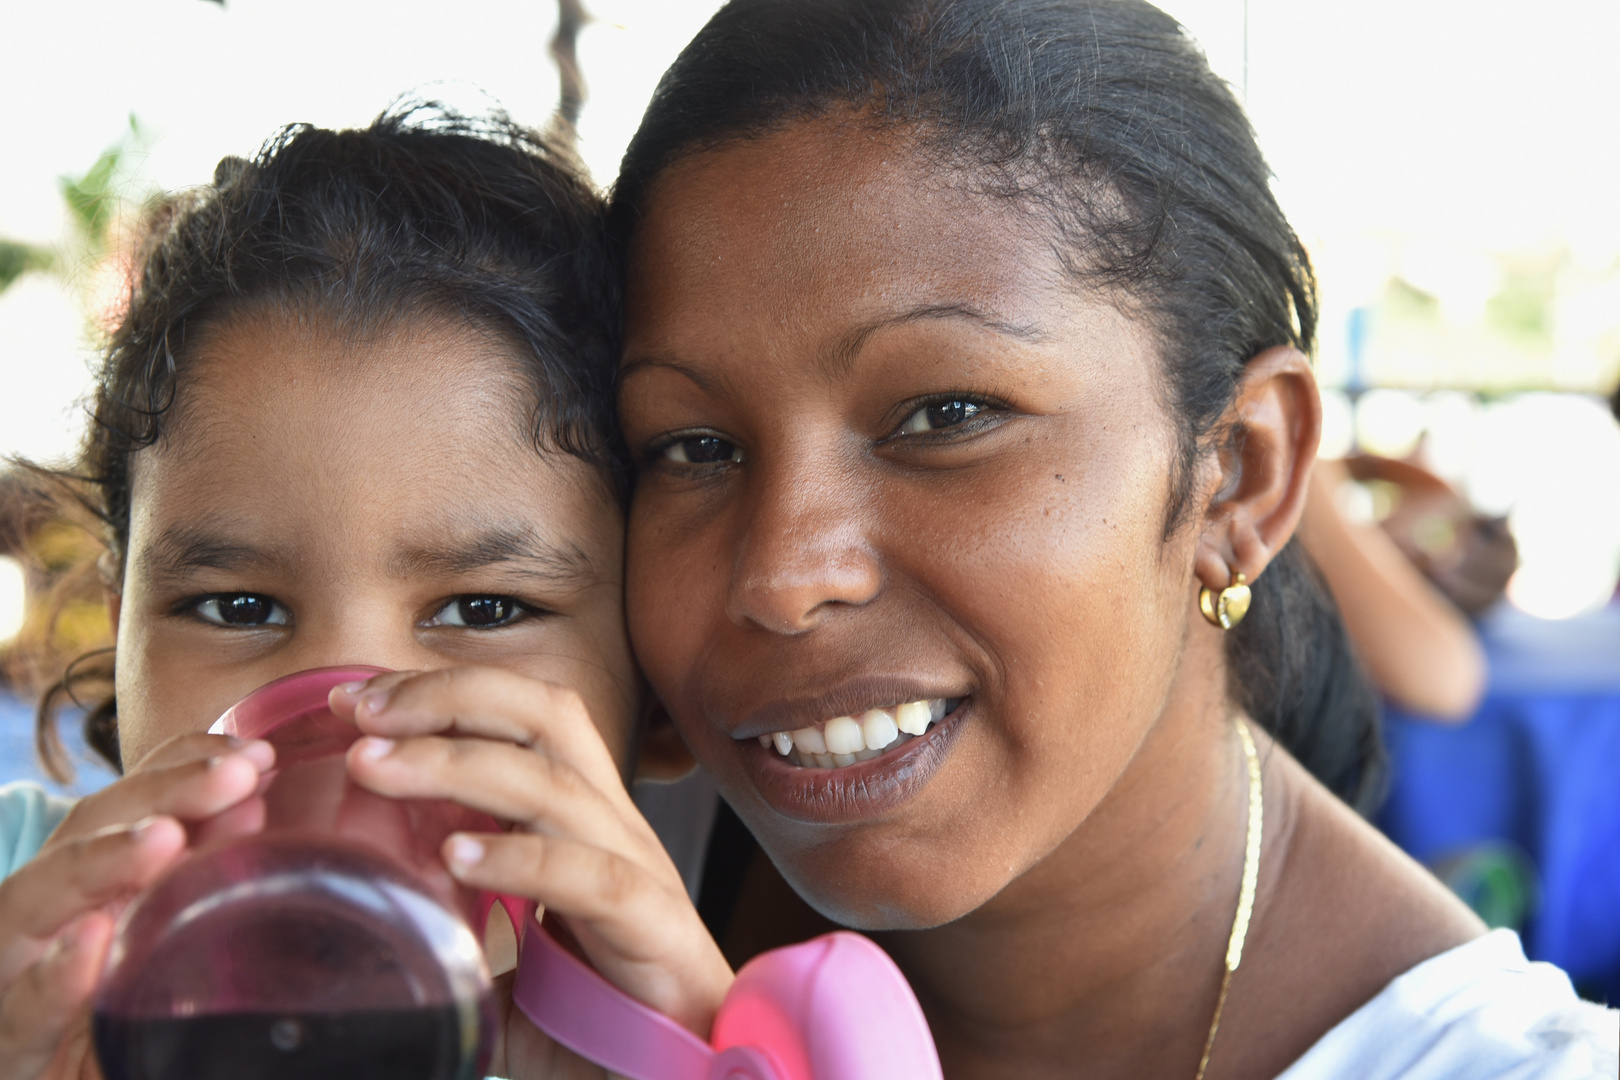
28	814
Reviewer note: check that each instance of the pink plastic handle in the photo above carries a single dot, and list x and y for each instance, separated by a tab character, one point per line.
833	1008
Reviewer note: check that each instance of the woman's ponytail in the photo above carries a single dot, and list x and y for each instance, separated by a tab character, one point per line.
1297	676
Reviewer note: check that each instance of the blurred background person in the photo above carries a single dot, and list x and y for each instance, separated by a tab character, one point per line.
1408	586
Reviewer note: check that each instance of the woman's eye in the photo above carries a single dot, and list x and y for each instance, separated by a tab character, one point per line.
940	414
702	450
479	612
242	610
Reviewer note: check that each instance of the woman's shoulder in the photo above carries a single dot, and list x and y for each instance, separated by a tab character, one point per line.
1480	1010
1369	968
28	814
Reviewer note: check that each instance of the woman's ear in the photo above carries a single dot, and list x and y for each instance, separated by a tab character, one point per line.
663	757
1275	423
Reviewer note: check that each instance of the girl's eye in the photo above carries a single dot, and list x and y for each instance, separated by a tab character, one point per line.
941	414
479	612
242	610
702	450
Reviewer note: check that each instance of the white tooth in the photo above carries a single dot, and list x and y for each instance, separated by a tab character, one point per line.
878	729
824	761
913	717
868	755
843	761
936	709
765	741
784	742
843	736
809	741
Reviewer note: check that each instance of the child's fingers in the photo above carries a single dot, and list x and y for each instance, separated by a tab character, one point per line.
579	881
533	790
190	790
63	882
628	915
199	746
38	1007
489	703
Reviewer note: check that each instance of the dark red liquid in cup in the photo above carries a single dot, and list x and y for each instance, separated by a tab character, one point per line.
397	1044
331	944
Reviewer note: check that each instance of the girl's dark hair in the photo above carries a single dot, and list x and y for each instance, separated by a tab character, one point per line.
423	212
1102	117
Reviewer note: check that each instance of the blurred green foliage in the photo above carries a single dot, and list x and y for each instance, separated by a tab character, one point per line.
1522	310
93	200
18	259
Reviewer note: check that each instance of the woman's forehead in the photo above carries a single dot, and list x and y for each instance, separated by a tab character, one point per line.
830	223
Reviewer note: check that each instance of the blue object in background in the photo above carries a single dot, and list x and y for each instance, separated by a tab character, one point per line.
17	760
1537	768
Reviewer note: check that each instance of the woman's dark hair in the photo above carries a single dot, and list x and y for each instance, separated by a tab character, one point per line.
1102	117
423	212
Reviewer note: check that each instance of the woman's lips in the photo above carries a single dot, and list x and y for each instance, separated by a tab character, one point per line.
870	784
844	740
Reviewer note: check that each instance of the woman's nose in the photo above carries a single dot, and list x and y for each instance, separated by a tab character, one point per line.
804	554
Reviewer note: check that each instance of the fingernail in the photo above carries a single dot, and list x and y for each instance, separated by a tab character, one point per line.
261	753
65	945
465	852
350	687
372	748
142	828
371	703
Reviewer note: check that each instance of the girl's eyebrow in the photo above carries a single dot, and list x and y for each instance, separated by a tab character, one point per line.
181	549
516	549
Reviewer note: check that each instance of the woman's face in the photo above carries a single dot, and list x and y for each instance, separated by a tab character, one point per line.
894	465
319	500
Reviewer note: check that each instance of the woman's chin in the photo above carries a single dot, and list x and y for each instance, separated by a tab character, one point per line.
898	897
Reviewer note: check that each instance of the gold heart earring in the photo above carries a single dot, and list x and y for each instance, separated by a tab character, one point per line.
1226	608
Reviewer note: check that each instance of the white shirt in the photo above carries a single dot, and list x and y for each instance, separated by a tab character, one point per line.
1478	1012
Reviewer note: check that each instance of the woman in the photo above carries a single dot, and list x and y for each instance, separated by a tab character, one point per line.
966	369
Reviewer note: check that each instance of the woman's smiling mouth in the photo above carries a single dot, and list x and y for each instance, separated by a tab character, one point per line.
855	766
842	741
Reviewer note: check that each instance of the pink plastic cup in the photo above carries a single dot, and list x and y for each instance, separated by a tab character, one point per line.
331	943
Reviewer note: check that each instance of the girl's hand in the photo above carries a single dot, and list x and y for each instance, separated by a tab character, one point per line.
526	752
57	912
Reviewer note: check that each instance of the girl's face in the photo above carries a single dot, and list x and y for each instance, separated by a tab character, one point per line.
317	500
892	455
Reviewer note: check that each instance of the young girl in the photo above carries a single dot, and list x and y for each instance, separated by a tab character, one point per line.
965	367
358	412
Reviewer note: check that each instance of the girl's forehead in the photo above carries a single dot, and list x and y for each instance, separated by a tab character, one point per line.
298	424
299	356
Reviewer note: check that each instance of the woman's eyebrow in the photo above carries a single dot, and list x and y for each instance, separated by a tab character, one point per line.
842	357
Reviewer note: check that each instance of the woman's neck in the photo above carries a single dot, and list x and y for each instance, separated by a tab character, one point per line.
1107	954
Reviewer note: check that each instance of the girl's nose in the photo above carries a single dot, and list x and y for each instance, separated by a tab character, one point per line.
803	555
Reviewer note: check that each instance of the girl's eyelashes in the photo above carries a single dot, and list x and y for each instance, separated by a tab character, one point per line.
481	612
699	448
240	611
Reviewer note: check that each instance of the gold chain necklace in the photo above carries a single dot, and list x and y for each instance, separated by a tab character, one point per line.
1251	875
